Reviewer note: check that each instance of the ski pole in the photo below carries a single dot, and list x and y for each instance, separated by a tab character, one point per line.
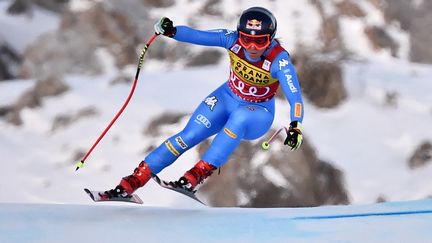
266	144
80	163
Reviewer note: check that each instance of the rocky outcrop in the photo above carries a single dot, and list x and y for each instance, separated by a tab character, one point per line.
25	6
330	33
415	17
332	40
421	36
350	9
159	3
380	39
421	156
206	57
212	7
9	62
167	118
33	98
321	80
283	179
113	26
65	120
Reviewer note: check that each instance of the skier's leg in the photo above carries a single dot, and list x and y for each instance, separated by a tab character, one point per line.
207	119
246	122
203	123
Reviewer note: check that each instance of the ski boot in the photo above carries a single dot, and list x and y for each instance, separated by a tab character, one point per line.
130	183
194	176
118	191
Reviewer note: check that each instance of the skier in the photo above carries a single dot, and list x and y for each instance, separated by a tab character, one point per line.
243	107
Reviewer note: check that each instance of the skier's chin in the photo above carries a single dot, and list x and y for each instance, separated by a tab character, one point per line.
254	53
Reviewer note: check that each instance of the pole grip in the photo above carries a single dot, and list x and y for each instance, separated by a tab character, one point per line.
266	144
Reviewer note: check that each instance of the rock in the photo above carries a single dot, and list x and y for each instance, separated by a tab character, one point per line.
321	80
112	26
421	36
391	98
421	156
350	9
399	10
65	120
153	128
330	32
32	98
52	5
212	7
51	86
416	19
159	3
301	179
25	6
380	39
9	62
206	57
19	7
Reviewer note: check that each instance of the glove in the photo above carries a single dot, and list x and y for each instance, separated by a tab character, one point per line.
294	136
165	27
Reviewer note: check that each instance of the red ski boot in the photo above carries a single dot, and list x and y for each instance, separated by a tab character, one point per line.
138	179
130	183
195	176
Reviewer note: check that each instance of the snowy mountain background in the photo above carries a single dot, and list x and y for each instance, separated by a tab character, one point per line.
70	64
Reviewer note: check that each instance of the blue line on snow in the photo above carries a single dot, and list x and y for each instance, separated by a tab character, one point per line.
363	215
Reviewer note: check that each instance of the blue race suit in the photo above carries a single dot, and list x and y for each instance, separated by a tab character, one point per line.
241	108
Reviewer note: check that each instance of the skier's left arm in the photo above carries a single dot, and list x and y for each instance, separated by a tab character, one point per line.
283	69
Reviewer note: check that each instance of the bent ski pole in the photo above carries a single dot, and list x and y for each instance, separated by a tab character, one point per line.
266	144
80	163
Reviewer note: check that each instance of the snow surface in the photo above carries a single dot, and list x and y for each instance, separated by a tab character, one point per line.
387	222
365	138
21	30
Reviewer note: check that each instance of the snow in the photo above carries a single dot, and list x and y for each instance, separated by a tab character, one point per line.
373	157
374	16
293	17
273	175
386	222
81	5
21	30
12	90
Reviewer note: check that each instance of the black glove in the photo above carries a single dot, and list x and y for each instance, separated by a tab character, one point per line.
165	27
294	136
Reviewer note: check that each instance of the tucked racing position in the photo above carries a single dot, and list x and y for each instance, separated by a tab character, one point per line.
243	107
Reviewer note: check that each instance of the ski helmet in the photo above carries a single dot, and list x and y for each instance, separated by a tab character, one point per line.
257	21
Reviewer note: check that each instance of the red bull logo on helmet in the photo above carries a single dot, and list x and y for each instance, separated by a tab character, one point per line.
253	24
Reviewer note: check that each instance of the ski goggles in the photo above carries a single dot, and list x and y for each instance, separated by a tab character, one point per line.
258	41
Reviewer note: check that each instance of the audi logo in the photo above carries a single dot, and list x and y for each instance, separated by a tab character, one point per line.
203	120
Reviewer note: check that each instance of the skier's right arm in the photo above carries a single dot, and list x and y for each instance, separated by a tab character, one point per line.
219	37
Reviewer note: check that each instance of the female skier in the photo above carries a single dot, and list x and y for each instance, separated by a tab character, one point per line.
243	107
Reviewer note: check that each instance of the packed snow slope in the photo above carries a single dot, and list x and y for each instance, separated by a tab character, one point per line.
385	222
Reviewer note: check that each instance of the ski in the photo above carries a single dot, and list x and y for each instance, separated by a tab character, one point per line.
96	196
167	185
